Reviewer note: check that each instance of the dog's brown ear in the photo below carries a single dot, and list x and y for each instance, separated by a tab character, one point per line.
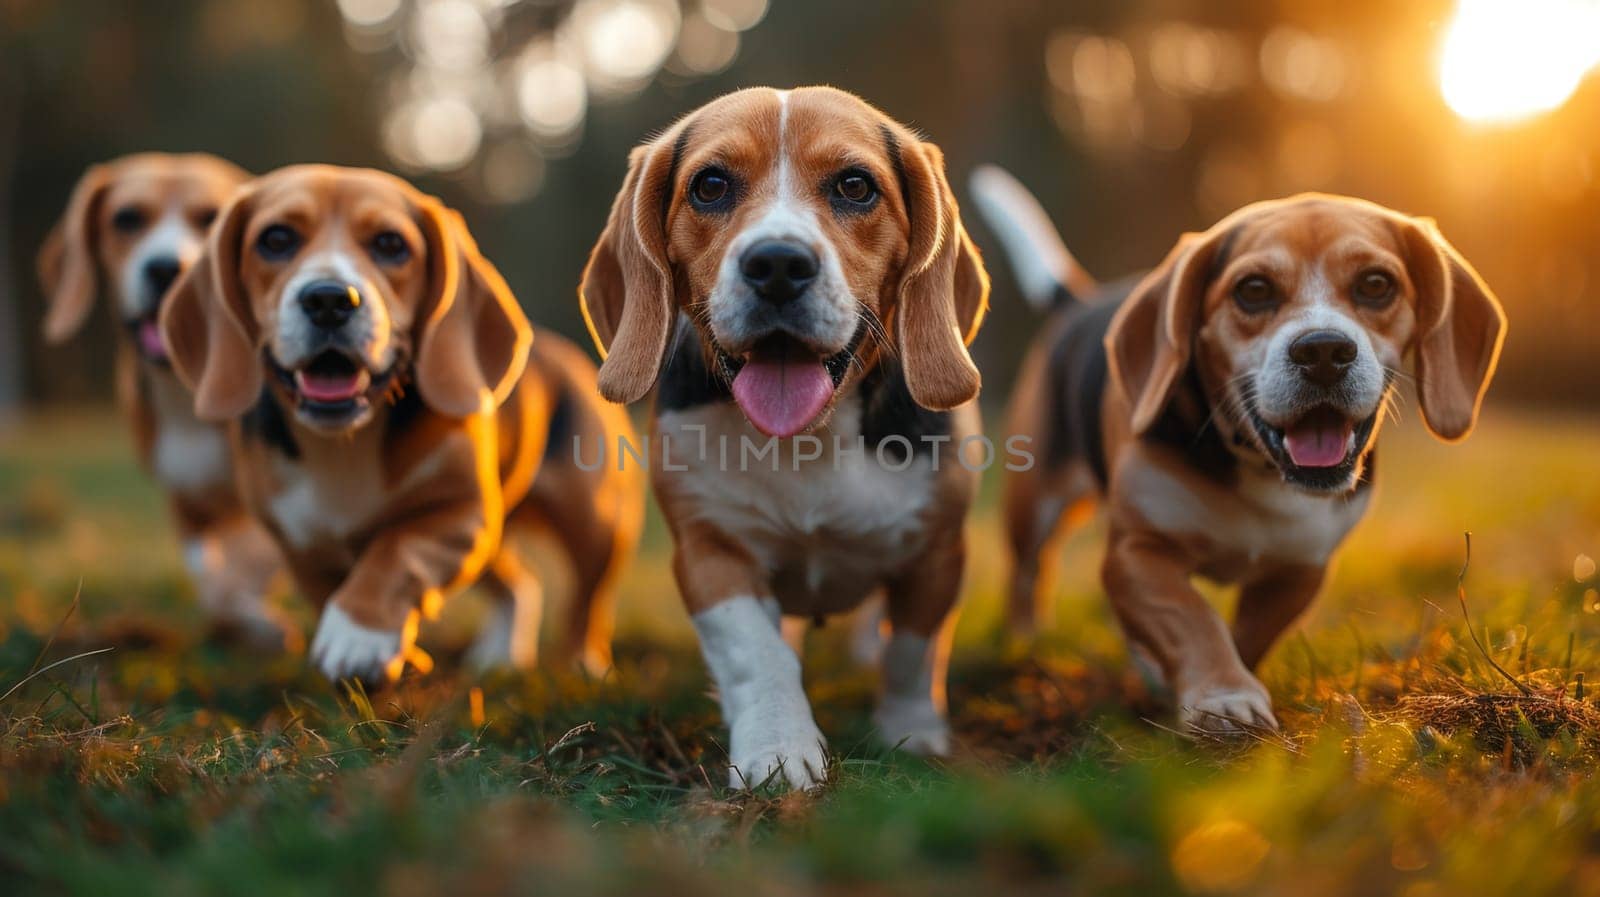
626	294
944	290
474	337
66	263
207	325
1151	339
1460	330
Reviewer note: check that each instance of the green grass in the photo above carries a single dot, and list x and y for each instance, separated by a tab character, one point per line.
169	765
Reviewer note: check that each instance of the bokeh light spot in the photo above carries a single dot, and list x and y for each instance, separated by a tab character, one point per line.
551	95
1301	65
1504	62
623	42
445	133
704	46
734	15
1582	567
1219	857
451	34
368	13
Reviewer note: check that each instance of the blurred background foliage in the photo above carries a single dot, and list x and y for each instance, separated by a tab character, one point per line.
1133	119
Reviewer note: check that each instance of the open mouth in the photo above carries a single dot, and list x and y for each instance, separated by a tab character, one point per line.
332	385
146	333
783	386
1320	449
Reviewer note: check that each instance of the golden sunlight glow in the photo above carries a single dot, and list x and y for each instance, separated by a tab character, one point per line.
1507	61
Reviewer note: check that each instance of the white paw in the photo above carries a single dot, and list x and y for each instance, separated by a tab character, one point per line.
343	648
913	726
791	753
1227	710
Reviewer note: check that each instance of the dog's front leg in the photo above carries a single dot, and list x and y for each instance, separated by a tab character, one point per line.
1270	604
1147	579
369	626
773	738
233	562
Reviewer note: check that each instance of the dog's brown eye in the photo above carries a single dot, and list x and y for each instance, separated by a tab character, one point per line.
1255	294
277	243
710	187
857	188
390	248
1374	288
128	219
204	217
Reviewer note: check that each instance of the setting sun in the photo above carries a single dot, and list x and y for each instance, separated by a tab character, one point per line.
1504	62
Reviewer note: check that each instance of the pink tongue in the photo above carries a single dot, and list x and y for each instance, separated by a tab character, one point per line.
149	336
331	387
781	390
1317	443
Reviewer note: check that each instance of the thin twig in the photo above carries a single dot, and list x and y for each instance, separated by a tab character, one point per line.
1461	595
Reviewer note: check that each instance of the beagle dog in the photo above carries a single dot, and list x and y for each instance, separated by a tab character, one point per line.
394	420
789	270
1225	407
135	224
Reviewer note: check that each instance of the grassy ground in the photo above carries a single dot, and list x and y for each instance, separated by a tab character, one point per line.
1410	766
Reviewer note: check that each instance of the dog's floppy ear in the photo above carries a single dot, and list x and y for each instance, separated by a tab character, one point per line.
474	337
1151	339
66	262
1460	329
207	324
626	292
944	290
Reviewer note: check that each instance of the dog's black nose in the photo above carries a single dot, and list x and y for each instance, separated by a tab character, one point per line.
778	270
160	272
1323	356
329	303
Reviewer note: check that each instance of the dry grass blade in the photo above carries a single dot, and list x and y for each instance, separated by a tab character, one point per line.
40	672
1516	723
72	608
1461	596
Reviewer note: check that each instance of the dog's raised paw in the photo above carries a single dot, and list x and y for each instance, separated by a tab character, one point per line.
343	648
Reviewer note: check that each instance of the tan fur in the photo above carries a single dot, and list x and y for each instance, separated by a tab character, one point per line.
811	543
913	265
1182	317
419	513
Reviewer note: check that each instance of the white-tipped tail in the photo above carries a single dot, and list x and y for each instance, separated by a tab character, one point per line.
1041	261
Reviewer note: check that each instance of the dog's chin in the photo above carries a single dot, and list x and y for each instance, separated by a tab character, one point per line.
332	391
785	386
1322	450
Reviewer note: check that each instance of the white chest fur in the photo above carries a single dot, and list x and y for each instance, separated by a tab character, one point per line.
1262	519
827	532
333	491
190	457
